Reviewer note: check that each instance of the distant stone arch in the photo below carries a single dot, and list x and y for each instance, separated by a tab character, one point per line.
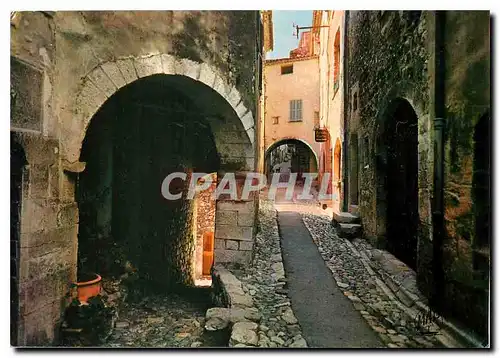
291	139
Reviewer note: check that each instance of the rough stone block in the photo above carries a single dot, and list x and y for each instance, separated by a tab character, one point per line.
240	300
233	97
289	317
251	135
207	75
168	64
232	137
35	294
39	181
241	109
235	256
345	218
189	68
38	328
38	214
39	150
227	279
239	163
54	175
220	243
227	232
67	215
67	191
241	334
217	318
40	243
247	233
147	66
231	245
221	87
246	245
226	217
89	100
102	81
245	219
247	120
127	69
245	207
349	230
113	72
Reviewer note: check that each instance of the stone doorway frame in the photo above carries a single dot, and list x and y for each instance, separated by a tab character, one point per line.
235	220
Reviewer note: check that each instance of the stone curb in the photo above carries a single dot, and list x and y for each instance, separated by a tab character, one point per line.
449	335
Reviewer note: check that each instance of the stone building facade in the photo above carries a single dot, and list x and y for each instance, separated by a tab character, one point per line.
103	106
329	25
418	137
292	89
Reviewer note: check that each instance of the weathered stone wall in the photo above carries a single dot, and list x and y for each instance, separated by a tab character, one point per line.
387	60
467	91
78	51
205	221
391	55
235	225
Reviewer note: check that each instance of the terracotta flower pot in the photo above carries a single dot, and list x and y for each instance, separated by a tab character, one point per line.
89	285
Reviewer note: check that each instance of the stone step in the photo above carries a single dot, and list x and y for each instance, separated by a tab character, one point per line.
345	218
349	230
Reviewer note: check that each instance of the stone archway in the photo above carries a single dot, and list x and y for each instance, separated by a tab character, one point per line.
397	181
182	88
312	162
107	78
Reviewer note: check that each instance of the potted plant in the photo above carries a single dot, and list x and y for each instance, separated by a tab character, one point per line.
88	285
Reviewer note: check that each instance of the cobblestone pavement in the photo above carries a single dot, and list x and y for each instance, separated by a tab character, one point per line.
394	326
325	314
162	321
265	281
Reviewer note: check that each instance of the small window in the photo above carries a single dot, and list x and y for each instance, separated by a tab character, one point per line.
295	110
285	70
355	101
276	120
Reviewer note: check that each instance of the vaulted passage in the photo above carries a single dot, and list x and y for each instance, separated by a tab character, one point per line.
290	156
398	179
146	131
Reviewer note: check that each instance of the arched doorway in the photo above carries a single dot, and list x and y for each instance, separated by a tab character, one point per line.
290	156
148	129
17	168
397	181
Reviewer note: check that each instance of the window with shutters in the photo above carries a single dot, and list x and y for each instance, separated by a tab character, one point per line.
295	110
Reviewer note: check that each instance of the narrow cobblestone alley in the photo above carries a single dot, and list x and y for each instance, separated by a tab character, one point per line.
333	288
250	179
327	317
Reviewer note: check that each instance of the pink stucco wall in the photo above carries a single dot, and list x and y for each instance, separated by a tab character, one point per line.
303	84
331	102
